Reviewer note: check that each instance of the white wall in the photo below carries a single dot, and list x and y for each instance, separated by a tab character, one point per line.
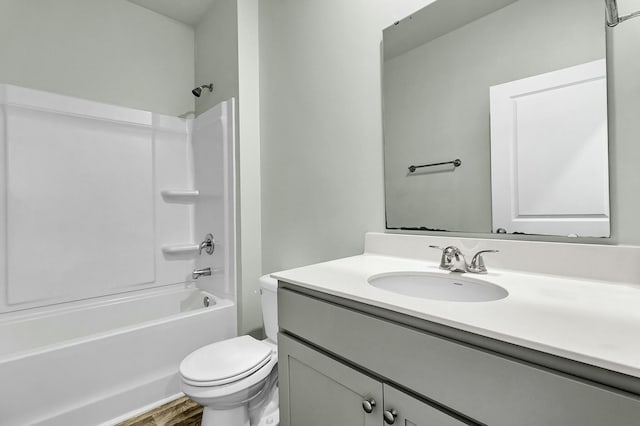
84	180
212	155
624	104
108	51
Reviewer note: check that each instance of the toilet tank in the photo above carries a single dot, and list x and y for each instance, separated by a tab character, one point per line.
269	300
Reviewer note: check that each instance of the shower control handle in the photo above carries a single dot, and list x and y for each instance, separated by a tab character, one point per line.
208	245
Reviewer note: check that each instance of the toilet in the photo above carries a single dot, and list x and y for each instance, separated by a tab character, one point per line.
235	380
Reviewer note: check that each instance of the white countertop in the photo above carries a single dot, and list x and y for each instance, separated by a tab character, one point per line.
590	321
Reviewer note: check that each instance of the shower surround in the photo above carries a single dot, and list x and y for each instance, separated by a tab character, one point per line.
102	211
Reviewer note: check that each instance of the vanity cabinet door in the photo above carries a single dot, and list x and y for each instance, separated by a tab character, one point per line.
410	411
316	390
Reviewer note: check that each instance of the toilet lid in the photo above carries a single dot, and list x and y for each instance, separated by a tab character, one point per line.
225	361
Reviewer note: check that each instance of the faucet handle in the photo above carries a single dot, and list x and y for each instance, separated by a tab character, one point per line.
445	261
477	262
451	257
208	245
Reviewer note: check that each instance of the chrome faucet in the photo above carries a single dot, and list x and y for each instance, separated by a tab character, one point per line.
453	260
197	273
477	262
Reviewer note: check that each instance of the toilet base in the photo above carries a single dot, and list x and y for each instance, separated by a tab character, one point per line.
238	416
266	412
271	419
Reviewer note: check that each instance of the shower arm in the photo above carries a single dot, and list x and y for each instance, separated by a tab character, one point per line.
613	18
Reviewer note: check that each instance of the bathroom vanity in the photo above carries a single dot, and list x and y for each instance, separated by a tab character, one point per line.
557	350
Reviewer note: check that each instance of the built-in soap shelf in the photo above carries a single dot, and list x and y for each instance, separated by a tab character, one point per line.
181	249
180	195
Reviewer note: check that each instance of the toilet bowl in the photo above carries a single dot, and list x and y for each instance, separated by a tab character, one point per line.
235	380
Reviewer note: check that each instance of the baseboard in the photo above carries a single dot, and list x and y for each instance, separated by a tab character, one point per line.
142	410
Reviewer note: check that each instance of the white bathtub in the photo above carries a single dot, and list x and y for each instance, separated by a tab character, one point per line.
92	362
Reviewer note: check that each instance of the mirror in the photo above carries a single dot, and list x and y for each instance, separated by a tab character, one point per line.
511	97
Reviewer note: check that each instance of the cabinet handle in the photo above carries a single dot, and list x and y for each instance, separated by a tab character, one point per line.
368	405
389	416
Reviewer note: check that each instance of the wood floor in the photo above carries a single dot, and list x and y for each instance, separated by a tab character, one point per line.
181	412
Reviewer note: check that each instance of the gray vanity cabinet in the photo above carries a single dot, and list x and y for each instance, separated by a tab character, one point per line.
335	353
317	390
410	411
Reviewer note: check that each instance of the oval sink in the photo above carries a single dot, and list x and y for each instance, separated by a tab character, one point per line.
453	288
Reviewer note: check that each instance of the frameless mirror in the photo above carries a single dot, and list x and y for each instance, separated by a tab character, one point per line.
500	106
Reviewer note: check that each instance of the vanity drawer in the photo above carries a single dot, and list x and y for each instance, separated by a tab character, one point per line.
485	386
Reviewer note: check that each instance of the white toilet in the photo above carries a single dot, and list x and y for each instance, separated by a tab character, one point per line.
235	380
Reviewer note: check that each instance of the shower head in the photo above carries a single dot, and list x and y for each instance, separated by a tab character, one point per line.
198	90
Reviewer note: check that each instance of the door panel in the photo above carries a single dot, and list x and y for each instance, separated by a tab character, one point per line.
549	153
316	390
413	412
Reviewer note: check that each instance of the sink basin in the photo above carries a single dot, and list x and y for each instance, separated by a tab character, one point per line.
453	288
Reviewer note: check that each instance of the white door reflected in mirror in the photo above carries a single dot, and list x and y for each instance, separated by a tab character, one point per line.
549	164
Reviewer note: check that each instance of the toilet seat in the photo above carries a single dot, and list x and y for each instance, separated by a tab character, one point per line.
240	390
225	362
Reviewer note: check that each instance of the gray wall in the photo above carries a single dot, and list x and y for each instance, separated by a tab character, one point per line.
321	134
227	52
322	138
216	54
249	234
436	100
108	51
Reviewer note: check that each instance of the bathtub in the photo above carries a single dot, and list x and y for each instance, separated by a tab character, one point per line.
88	363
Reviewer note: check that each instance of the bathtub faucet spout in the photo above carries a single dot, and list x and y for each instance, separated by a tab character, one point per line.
197	273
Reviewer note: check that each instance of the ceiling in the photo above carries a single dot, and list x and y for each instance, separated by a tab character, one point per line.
187	11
